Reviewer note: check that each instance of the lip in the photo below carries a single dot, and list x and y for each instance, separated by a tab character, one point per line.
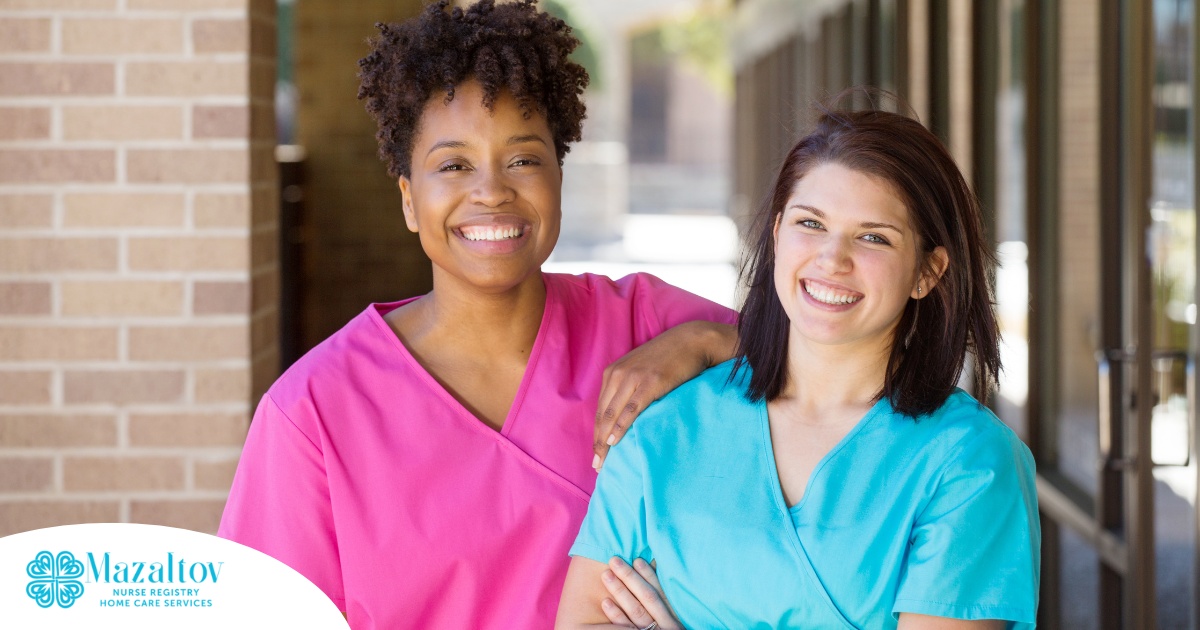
836	308
494	221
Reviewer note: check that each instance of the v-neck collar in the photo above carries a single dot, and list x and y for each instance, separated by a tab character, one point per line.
765	421
461	412
783	519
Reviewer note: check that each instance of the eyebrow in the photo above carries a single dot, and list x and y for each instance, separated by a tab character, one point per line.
532	137
866	224
459	144
446	144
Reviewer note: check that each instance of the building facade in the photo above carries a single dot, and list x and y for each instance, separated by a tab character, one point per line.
1072	119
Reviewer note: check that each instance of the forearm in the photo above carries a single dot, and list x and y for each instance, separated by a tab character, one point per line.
715	343
582	595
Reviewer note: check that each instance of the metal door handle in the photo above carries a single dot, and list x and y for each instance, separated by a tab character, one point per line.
1104	360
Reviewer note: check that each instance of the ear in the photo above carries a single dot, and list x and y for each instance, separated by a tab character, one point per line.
936	264
410	215
775	232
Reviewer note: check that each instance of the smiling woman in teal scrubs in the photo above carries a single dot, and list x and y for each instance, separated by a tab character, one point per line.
832	475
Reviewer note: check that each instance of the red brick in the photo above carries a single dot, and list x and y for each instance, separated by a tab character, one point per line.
124	210
56	79
57	343
216	298
123	387
57	5
57	166
24	298
223	385
24	388
26	474
188	429
122	473
188	254
188	343
186	78
187	166
148	298
215	474
220	36
24	123
201	515
19	35
220	210
23	516
123	122
49	255
220	121
57	430
184	5
26	211
122	36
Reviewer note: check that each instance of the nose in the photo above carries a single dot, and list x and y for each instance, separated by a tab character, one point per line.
491	188
835	256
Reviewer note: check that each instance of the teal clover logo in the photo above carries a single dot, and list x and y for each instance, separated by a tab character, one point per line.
54	579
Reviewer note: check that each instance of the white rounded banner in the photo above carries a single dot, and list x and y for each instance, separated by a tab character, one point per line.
125	575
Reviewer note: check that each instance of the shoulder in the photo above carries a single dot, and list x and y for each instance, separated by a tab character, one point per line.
352	349
966	433
694	408
600	286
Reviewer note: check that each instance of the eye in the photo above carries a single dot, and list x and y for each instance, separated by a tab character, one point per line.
525	161
811	224
452	166
875	238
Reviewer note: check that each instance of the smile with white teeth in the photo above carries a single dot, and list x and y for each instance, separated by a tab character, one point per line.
490	233
827	295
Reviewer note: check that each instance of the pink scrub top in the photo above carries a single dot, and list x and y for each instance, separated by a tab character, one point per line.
362	473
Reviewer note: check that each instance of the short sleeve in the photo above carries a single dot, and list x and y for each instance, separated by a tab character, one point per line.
615	524
279	503
974	552
660	306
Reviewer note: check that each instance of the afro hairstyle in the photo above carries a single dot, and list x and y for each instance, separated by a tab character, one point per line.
507	46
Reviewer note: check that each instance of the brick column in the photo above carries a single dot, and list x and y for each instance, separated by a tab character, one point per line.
137	255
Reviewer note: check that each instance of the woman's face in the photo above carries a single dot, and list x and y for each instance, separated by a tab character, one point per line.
847	259
485	191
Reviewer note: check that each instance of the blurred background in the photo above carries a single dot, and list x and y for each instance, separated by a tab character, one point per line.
190	199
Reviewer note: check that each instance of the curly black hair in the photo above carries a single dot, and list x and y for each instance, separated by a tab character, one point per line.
511	46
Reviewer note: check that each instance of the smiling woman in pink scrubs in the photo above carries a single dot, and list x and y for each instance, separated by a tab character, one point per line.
422	458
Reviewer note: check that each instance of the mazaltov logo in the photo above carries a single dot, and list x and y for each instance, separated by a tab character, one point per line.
54	579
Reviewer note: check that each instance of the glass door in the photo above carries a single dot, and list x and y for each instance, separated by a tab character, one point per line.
1171	245
1108	250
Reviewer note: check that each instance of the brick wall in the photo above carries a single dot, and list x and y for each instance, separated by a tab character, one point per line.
137	255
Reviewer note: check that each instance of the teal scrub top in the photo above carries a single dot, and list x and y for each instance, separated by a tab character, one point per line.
935	515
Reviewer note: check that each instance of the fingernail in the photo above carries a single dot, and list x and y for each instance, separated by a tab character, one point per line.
612	439
607	576
639	563
596	462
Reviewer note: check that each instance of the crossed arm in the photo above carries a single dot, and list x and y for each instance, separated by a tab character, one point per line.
618	595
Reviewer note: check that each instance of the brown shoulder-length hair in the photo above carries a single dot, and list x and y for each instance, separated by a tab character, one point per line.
934	334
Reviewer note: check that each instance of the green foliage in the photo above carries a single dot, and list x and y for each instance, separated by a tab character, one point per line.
587	54
701	40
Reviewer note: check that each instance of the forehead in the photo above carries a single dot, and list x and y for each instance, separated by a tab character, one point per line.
840	191
466	115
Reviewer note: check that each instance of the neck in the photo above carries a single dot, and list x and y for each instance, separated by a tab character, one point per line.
466	317
824	377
